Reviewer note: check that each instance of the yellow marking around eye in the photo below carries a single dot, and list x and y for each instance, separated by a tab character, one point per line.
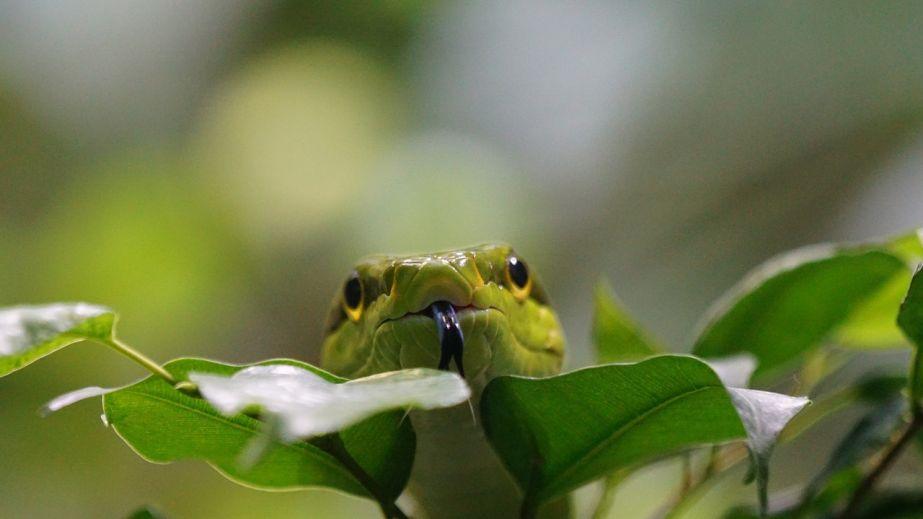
519	293
353	313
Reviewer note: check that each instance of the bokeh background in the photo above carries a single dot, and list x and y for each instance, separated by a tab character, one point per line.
211	169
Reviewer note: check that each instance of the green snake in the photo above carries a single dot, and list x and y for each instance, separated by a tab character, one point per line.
480	309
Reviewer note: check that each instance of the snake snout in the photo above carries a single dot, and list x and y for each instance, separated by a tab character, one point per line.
420	286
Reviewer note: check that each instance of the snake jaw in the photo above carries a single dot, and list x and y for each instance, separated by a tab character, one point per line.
451	338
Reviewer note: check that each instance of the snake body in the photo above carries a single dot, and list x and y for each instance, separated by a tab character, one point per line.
480	307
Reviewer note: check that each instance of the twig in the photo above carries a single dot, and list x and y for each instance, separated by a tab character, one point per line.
717	466
884	463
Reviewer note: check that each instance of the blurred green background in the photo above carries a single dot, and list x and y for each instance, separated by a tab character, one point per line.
211	169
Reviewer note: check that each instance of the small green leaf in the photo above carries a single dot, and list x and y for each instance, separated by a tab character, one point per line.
792	303
308	405
28	333
163	425
557	433
618	338
910	319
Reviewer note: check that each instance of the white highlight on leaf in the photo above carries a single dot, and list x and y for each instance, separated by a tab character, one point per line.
764	415
308	405
734	370
73	397
22	327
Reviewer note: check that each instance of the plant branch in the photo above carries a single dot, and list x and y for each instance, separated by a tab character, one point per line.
333	445
890	455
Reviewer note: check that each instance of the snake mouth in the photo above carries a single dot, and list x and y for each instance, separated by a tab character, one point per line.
445	316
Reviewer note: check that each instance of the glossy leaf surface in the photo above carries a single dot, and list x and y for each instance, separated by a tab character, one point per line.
558	433
163	425
28	333
792	303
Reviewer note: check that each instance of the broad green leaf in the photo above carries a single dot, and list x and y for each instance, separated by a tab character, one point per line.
618	338
792	303
557	433
28	333
163	425
733	371
872	324
308	405
910	319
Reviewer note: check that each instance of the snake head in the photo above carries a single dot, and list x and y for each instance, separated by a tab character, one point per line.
482	307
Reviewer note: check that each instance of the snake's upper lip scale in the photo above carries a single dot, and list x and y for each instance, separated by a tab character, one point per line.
428	311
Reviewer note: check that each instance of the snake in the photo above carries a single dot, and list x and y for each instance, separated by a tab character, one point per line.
480	311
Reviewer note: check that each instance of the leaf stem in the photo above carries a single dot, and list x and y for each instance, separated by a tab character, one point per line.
333	445
140	359
720	462
718	465
607	500
890	455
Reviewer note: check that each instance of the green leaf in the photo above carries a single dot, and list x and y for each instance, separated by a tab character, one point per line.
163	425
910	319
28	333
618	338
792	303
558	433
872	324
307	405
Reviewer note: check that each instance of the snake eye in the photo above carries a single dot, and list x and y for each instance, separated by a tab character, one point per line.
517	277
352	297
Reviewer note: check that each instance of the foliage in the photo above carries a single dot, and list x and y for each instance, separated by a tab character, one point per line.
162	425
285	425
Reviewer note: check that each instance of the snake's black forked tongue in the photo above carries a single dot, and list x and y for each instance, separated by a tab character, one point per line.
451	340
